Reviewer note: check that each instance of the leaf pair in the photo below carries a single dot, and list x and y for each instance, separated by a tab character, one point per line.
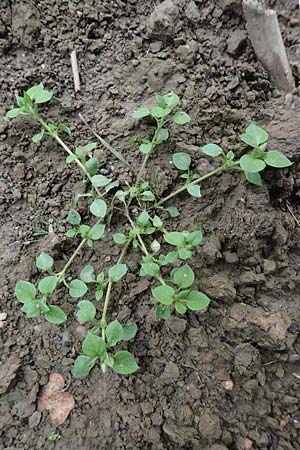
32	306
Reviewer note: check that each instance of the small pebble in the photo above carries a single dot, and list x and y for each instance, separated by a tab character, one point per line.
3	316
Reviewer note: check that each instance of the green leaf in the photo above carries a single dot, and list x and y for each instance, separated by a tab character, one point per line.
93	345
163	312
31	309
92	165
112	185
20	101
37	137
77	288
82	152
180	307
100	180
70	159
47	285
157	222
98	208
159	112
250	164
181	118
164	294
171	257
171	99
160	101
124	363
173	211
230	156
174	238
197	301
140	113
194	190
97	231
74	217
212	150
99	294
163	135
195	237
143	218
254	136
83	365
145	148
87	274
55	315
183	276
12	113
254	178
64	128
182	160
86	312
39	94
119	238
150	269
129	331
277	159
44	261
117	272
25	291
71	233
114	333
185	253
147	196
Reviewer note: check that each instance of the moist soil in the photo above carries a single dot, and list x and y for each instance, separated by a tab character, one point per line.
227	378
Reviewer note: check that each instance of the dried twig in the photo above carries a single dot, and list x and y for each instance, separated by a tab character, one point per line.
75	71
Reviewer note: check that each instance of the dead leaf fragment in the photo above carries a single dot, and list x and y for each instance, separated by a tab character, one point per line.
57	402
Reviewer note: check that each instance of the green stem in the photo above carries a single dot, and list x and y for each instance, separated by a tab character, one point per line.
198	180
142	244
66	148
160	124
108	291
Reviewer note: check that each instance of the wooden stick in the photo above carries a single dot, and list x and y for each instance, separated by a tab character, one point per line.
266	39
75	71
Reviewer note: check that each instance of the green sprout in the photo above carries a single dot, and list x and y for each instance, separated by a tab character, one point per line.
174	289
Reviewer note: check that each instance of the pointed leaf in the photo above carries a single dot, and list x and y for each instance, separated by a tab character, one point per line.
82	366
55	315
114	333
77	288
124	363
277	159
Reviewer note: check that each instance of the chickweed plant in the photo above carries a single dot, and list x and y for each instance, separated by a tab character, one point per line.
174	287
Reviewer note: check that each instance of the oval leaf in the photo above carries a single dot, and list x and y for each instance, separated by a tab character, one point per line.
77	288
25	291
164	294
55	315
86	312
182	160
277	159
212	150
197	301
44	261
93	345
82	366
114	333
194	190
250	164
124	363
183	276
116	272
98	208
181	118
47	285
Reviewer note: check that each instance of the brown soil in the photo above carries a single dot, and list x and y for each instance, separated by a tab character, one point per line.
224	379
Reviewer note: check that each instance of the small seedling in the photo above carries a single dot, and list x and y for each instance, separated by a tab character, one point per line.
176	289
